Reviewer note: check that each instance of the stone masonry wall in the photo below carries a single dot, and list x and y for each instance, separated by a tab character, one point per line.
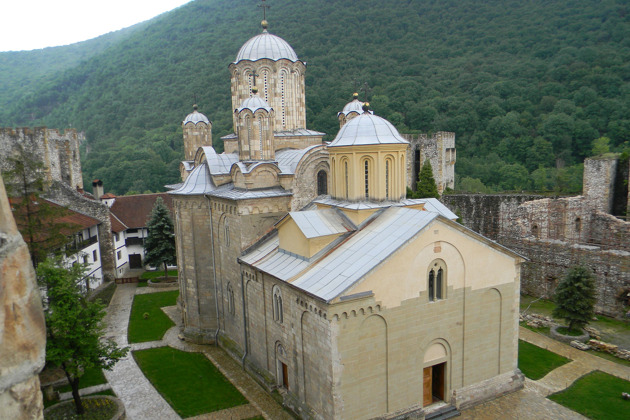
554	234
59	152
599	178
22	328
440	150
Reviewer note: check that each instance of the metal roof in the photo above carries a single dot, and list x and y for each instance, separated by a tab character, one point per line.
353	106
198	182
297	132
266	45
288	159
363	251
367	129
254	103
230	192
316	223
430	204
196	117
219	164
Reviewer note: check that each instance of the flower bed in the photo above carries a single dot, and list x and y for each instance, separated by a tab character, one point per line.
98	407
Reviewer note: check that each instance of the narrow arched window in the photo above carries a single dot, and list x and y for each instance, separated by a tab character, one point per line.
535	231
366	165
227	233
436	282
578	225
387	179
346	178
277	305
322	182
230	300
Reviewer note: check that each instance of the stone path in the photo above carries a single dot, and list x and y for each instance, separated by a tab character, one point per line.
142	401
530	402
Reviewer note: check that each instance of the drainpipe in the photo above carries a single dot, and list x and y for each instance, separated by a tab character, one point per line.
214	272
244	319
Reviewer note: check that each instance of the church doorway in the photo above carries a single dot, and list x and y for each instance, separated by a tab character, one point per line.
433	384
285	376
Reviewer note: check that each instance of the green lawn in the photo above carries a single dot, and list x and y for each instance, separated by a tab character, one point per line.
536	362
597	396
188	381
91	377
153	327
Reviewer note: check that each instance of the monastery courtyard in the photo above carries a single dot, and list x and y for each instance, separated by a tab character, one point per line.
142	401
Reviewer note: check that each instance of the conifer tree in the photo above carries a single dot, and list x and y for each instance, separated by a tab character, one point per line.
426	187
74	325
160	243
575	297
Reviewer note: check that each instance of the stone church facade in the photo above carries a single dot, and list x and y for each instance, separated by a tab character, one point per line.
305	260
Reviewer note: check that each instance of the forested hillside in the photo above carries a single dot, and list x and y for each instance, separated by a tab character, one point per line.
527	86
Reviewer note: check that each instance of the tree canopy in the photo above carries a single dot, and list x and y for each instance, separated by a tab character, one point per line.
160	242
74	325
426	187
575	297
520	83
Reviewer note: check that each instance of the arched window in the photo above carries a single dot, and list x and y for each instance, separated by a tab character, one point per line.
578	225
322	182
387	178
230	299
345	167
366	166
283	97
437	281
535	231
277	305
227	233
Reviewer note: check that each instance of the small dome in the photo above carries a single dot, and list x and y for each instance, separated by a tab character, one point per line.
196	117
366	129
254	103
352	106
268	46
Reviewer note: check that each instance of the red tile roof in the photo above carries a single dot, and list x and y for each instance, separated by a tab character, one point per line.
117	225
67	221
134	211
108	195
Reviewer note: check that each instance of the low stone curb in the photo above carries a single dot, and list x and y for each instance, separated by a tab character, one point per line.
63	396
120	412
567	338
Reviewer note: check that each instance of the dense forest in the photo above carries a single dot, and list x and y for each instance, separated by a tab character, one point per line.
529	87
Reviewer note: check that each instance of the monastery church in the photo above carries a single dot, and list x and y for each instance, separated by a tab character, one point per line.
306	262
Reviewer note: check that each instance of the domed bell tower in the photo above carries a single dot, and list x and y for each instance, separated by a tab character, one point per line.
197	130
254	128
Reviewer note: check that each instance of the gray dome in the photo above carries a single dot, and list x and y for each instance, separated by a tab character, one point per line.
196	117
353	106
268	46
254	103
367	129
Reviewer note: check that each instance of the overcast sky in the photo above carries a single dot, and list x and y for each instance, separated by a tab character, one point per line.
34	24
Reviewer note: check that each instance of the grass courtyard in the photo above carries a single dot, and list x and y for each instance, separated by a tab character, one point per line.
147	321
189	382
596	396
536	362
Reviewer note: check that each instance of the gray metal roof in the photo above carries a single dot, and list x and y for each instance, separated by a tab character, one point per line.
254	103
316	223
298	132
219	164
288	159
230	192
353	106
430	204
268	46
367	129
196	117
198	182
363	251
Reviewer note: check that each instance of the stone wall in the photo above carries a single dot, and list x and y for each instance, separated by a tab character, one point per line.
599	180
440	150
22	328
59	152
62	194
554	234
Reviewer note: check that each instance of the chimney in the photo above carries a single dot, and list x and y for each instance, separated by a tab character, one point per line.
97	188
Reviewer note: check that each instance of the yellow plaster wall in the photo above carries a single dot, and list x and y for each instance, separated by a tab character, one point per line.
292	239
377	155
470	264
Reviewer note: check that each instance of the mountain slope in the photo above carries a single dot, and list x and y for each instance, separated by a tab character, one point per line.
526	86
